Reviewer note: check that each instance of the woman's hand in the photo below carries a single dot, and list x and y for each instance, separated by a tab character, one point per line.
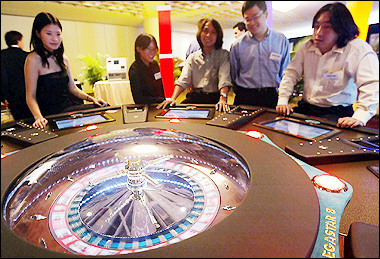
168	101
100	102
40	122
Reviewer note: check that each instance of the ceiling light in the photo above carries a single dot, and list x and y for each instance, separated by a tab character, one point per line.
284	6
89	4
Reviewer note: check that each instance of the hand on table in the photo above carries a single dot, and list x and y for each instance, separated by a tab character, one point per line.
222	106
169	101
348	122
100	102
284	109
40	122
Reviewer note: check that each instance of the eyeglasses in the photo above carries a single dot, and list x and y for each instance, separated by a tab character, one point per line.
254	18
151	49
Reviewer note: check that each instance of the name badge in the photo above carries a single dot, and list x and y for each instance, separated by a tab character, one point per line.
330	76
275	56
157	75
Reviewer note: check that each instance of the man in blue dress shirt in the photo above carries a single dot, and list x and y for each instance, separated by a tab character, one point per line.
258	59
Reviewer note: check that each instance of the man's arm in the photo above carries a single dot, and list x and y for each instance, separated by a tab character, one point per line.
285	57
234	62
292	74
367	80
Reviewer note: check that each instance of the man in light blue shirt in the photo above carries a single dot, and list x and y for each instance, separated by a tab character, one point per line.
258	59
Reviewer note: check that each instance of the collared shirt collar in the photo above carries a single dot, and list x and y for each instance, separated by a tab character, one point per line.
210	54
336	49
316	50
267	33
313	48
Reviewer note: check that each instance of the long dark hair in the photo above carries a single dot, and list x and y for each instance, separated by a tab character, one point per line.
218	29
341	21
143	41
40	21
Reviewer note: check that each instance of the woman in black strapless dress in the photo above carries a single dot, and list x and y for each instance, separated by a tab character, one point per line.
48	80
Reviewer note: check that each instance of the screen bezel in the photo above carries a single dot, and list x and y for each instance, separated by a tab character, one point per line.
54	126
332	131
210	115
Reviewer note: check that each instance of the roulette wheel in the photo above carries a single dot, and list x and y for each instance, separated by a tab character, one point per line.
158	189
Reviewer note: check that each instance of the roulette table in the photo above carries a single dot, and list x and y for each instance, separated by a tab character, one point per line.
141	185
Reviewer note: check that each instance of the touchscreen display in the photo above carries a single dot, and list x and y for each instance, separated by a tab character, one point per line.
298	129
187	113
80	121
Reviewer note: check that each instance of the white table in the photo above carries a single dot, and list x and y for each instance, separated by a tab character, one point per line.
114	92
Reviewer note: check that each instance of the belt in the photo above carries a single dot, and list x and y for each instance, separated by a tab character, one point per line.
263	89
199	90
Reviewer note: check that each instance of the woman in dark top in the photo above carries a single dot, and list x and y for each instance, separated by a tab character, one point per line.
48	79
144	73
52	92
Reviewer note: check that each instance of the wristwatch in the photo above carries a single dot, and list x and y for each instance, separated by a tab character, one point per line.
224	95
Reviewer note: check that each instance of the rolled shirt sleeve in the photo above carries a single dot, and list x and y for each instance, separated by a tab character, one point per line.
185	78
367	80
224	73
291	76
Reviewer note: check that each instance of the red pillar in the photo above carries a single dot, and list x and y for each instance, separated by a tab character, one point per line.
166	56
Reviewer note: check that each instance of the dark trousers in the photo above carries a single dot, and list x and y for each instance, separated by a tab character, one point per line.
266	97
332	113
202	98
